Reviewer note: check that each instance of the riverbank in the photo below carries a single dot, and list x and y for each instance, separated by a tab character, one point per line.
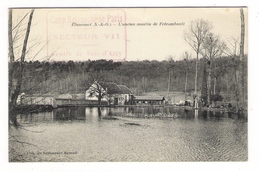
45	108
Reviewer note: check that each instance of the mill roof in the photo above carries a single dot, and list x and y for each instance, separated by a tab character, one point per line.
125	89
113	88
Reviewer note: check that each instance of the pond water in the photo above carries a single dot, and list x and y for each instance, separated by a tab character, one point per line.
127	134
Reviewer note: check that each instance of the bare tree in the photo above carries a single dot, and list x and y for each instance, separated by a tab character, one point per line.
241	58
170	67
13	94
213	48
195	36
98	91
217	71
232	47
186	57
238	62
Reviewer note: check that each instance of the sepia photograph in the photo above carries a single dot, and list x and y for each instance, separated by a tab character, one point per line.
128	84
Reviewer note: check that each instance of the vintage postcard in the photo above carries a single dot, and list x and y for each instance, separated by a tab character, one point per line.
128	84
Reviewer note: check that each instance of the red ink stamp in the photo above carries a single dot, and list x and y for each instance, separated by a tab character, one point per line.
86	34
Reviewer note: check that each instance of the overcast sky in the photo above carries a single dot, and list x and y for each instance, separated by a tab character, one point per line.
72	35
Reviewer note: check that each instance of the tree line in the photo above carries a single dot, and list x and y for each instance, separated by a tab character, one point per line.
141	76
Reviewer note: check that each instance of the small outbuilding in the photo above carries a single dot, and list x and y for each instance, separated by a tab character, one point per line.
36	99
149	100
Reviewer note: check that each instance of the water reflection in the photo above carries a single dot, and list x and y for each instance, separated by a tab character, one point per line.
35	117
134	134
99	113
72	113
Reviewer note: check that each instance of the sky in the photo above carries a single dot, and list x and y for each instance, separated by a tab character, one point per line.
122	33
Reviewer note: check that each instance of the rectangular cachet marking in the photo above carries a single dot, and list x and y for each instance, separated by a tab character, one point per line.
86	34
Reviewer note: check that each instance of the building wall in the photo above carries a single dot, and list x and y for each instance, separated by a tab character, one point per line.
126	97
148	102
33	100
122	98
74	102
94	96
